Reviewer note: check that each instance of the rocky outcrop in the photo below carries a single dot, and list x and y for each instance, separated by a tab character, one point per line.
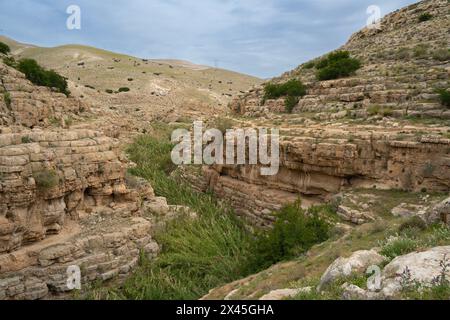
401	69
415	268
65	201
67	206
22	103
358	262
321	162
365	131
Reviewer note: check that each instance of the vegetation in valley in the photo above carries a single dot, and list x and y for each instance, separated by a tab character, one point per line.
213	249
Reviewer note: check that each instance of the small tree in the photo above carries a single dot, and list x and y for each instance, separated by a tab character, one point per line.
4	48
41	77
425	17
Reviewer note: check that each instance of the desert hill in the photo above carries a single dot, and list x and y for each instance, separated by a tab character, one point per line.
167	90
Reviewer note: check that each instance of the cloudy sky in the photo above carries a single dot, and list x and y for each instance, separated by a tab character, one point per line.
259	37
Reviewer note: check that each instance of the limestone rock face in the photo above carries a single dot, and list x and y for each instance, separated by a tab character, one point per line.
47	177
369	130
439	212
32	106
66	204
358	262
65	201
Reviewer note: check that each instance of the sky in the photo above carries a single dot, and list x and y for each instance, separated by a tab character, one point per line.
263	38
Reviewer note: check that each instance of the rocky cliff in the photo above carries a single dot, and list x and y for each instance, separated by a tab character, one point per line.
65	198
382	128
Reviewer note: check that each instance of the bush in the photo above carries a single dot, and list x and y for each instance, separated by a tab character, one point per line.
41	77
10	61
290	103
421	51
292	87
294	232
26	139
46	179
4	48
413	223
444	97
309	65
7	99
337	65
425	17
124	89
441	55
109	91
379	110
398	247
403	53
292	90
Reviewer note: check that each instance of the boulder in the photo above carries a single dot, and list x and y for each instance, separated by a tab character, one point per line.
439	212
358	262
420	267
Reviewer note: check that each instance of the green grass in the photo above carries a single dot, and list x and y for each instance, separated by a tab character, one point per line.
203	253
197	254
413	238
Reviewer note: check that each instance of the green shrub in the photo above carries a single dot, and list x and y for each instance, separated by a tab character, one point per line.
441	55
7	99
41	77
124	89
26	139
4	48
403	53
10	61
109	91
413	223
290	103
309	65
292	90
398	247
379	110
337	65
425	17
295	231
444	97
46	179
420	51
